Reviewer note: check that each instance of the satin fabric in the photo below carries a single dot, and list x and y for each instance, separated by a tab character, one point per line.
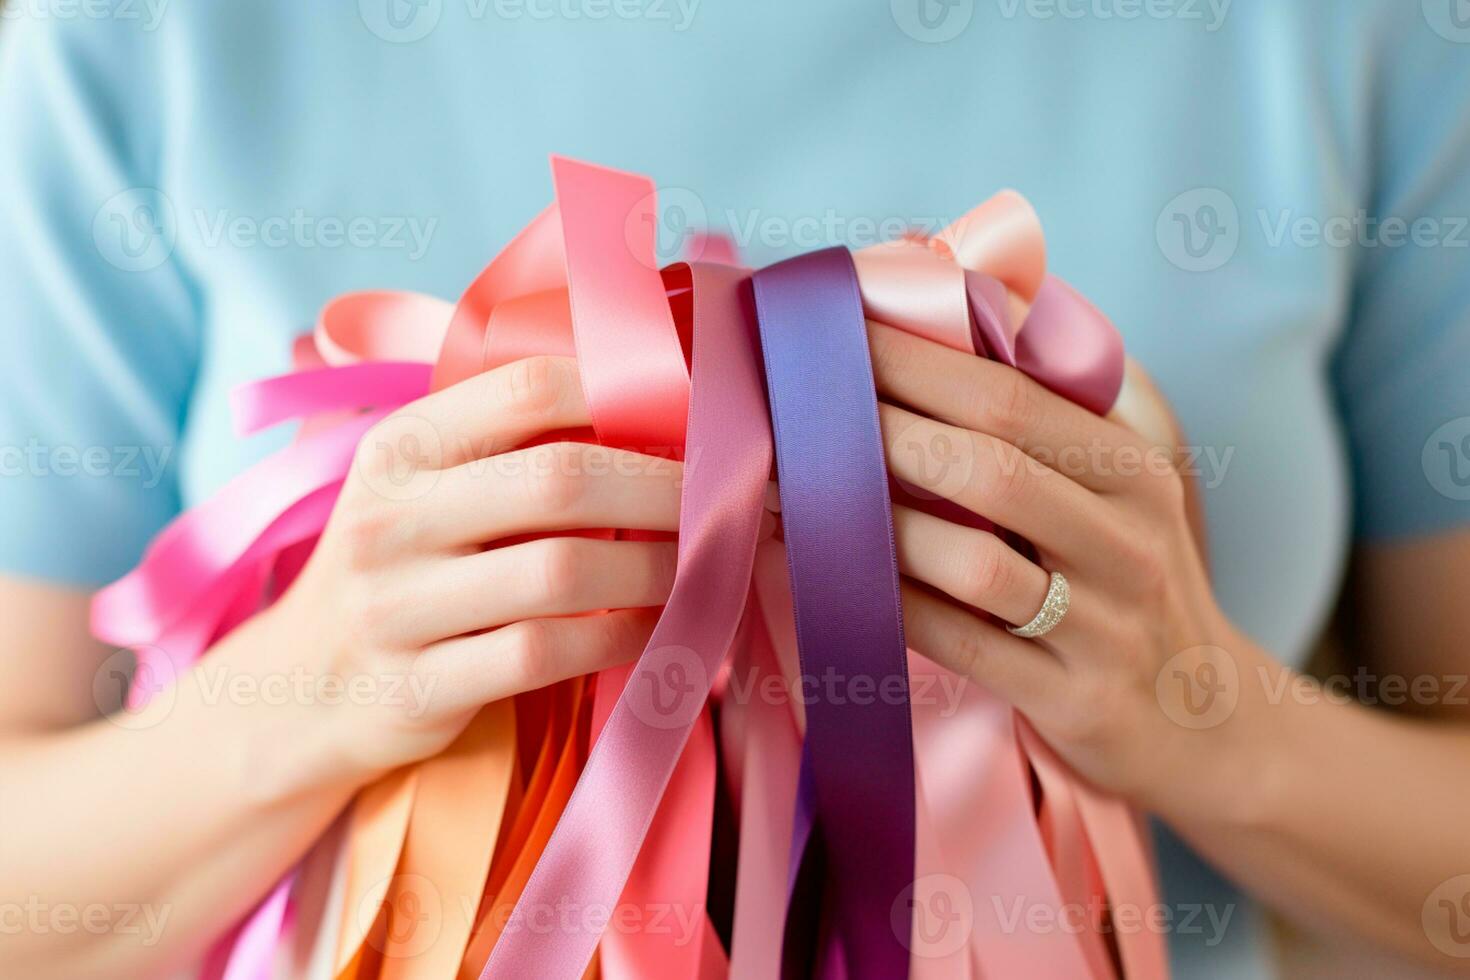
844	580
461	835
594	847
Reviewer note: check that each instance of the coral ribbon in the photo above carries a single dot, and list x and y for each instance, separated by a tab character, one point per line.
451	860
592	852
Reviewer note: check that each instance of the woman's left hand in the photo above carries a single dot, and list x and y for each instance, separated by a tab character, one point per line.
1101	504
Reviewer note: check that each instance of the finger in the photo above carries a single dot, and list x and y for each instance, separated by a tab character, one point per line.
992	478
552	487
985	396
976	567
535	580
489	413
469	671
1016	670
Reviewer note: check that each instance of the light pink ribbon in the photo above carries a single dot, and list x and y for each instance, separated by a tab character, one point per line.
210	568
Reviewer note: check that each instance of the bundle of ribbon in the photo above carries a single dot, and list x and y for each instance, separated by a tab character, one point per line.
862	837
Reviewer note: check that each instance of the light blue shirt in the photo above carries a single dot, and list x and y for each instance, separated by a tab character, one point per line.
1270	198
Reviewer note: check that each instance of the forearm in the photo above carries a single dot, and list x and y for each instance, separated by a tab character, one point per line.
141	839
1347	818
399	629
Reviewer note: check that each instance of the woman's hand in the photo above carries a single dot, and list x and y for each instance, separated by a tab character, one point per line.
1104	506
401	603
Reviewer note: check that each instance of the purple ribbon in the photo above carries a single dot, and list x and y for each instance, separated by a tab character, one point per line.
844	581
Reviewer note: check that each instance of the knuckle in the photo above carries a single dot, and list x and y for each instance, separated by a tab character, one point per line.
1090	729
619	629
555	480
364	529
1080	729
1005	406
530	653
1142	554
369	608
968	653
891	356
560	563
398	457
373	454
1007	479
664	566
987	571
533	385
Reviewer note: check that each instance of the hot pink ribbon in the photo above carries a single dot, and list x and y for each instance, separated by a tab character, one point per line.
372	351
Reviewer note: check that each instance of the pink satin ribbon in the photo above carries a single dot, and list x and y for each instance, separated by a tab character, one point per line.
579	264
986	844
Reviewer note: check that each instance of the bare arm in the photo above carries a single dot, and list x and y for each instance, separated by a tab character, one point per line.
129	842
1340	815
1356	821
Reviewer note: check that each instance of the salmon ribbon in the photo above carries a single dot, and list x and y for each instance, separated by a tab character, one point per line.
671	819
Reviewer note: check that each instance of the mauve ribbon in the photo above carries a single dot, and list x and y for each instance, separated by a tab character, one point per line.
971	287
598	838
980	286
844	579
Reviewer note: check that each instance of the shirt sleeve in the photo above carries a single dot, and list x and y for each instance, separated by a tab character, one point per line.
1402	372
98	339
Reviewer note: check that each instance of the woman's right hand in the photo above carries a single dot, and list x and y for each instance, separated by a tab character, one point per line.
403	612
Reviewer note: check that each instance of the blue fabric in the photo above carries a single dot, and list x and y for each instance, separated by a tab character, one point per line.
261	157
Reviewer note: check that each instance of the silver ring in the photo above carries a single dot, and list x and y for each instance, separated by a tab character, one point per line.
1053	609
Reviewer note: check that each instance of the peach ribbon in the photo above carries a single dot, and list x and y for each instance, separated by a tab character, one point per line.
449	845
988	845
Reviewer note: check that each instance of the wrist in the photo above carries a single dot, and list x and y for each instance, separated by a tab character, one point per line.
260	708
1227	762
